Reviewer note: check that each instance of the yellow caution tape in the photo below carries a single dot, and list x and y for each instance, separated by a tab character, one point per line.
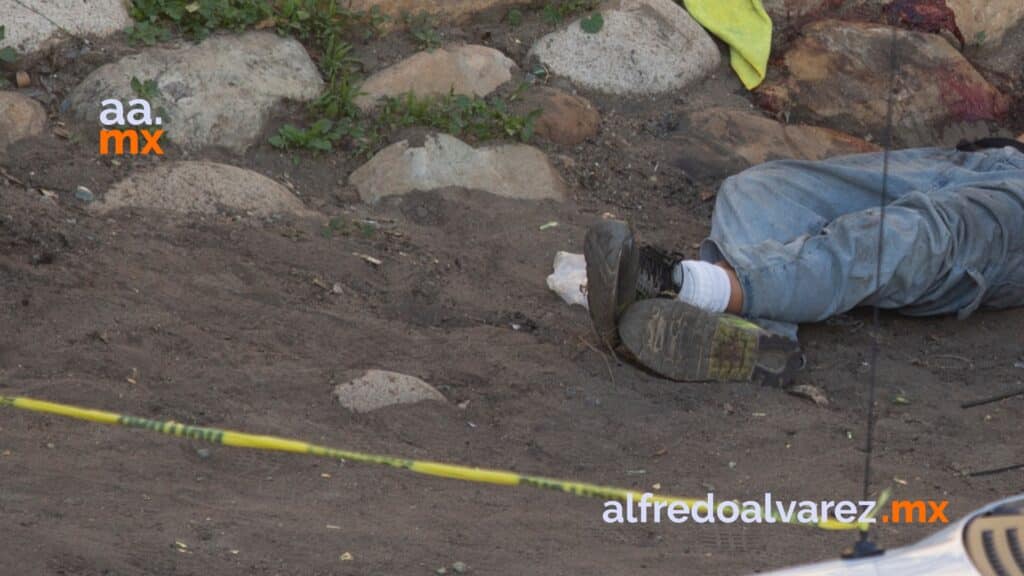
439	469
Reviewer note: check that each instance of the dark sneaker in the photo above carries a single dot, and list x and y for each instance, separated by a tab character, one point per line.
613	265
655	276
682	342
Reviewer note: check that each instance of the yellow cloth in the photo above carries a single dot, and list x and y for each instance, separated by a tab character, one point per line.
745	27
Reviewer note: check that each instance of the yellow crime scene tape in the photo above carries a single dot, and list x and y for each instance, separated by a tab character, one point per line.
438	469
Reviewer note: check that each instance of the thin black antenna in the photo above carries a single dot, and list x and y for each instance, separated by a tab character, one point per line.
864	547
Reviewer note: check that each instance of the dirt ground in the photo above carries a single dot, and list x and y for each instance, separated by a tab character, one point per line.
224	321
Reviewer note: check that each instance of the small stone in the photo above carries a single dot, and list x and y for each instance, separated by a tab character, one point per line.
459	567
565	119
84	194
20	117
469	69
22	79
203	453
377	389
810	392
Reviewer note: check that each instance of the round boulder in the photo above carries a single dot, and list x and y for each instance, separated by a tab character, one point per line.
216	93
201	188
20	117
644	47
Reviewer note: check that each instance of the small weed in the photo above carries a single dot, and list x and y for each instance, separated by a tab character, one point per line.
198	18
980	37
592	24
423	28
514	17
338	226
457	114
555	12
145	89
320	136
147	33
7	55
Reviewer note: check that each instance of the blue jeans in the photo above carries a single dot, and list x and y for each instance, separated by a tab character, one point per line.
803	236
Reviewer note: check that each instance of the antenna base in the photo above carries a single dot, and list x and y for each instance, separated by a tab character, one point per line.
862	549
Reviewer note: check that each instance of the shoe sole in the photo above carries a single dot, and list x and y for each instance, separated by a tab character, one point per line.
613	265
682	342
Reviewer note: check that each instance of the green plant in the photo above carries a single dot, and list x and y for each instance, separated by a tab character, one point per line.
514	17
320	136
422	27
458	114
147	33
7	56
196	19
592	24
555	12
339	226
145	89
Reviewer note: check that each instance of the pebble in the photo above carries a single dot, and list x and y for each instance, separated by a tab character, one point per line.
84	194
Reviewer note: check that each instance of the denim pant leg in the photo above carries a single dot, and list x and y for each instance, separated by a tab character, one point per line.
803	236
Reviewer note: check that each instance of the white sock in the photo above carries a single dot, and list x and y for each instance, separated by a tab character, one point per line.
705	285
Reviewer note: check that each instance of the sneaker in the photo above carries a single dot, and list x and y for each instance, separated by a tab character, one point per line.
613	266
682	342
655	277
619	273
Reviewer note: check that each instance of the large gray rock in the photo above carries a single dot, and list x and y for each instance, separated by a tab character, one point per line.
837	75
509	170
645	47
31	23
20	117
217	93
468	69
378	389
201	188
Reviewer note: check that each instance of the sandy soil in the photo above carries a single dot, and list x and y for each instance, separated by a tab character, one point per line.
222	321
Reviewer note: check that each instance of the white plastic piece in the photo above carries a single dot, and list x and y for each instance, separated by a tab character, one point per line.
569	280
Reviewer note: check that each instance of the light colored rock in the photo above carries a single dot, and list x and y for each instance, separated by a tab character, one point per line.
645	47
564	119
715	143
467	69
837	75
201	188
20	117
986	21
216	93
448	10
378	389
509	170
31	23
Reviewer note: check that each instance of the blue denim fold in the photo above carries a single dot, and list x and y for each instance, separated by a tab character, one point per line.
803	236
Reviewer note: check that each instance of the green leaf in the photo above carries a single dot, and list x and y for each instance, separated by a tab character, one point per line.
592	24
515	17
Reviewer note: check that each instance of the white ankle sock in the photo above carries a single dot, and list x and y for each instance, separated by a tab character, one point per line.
705	285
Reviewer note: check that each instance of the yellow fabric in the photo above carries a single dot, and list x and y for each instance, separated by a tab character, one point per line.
745	27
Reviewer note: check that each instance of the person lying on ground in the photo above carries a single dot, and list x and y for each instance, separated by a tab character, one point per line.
799	241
